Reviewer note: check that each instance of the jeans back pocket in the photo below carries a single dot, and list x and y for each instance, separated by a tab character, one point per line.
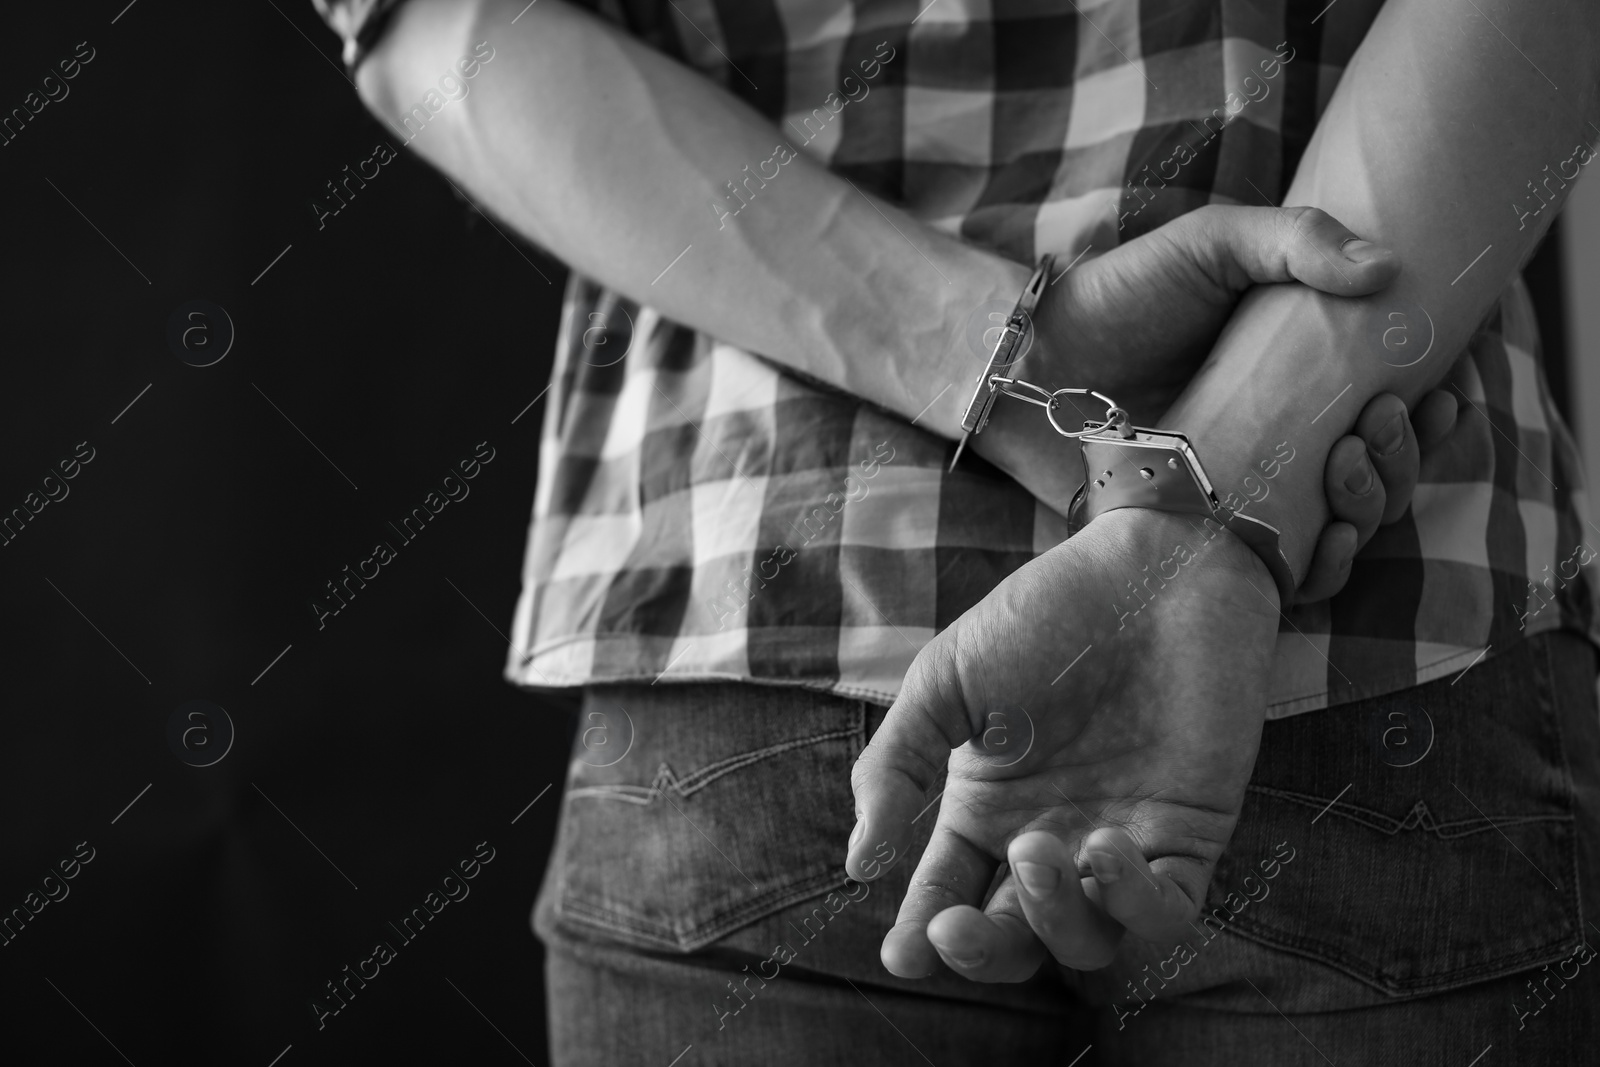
1430	833
692	810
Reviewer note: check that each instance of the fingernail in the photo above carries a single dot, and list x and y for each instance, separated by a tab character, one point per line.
1107	868
1359	481
968	962
1388	440
1037	878
1359	251
859	832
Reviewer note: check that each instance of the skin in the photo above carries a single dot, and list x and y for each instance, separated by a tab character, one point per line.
813	272
1154	734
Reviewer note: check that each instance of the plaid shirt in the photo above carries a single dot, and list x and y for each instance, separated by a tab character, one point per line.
703	515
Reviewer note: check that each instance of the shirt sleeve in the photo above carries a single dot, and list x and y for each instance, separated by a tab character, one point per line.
359	23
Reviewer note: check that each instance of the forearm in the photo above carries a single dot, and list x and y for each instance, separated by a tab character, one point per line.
612	156
1436	129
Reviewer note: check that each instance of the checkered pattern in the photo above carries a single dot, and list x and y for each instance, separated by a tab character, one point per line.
703	515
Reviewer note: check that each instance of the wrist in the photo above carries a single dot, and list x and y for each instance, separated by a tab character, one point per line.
1163	547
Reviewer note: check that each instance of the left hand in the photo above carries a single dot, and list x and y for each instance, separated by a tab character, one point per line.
1136	765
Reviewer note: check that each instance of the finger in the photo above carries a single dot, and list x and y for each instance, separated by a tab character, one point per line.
1392	445
995	944
1071	927
1355	493
1330	564
1243	246
1148	903
895	776
952	872
1434	418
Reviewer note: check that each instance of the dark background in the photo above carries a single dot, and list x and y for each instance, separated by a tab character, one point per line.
396	338
374	753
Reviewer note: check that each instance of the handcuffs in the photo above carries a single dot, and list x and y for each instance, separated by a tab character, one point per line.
1137	467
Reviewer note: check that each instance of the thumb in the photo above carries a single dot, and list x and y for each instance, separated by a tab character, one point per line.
1238	247
896	776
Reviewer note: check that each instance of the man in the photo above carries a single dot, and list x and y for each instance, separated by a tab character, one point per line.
708	517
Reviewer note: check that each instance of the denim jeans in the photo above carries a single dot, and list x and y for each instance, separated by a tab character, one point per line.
1412	880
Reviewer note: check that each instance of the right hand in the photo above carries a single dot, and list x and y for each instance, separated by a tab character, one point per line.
1136	323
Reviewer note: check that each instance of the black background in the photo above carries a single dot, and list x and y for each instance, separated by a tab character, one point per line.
401	334
377	751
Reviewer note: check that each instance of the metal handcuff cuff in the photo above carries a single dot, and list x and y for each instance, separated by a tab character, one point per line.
1138	467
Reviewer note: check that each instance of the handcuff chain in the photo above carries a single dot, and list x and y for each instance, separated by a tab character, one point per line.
1051	401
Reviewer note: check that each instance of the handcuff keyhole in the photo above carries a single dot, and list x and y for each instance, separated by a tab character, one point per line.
1147	474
